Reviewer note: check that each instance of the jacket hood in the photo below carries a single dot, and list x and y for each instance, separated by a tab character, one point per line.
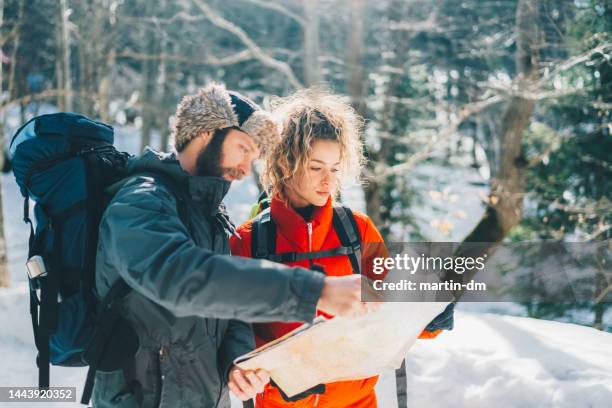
208	191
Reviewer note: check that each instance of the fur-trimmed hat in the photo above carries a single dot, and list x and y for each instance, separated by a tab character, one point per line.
212	108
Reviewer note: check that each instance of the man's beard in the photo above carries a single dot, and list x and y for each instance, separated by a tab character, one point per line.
210	158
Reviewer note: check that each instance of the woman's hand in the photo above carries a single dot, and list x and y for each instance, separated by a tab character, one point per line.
245	384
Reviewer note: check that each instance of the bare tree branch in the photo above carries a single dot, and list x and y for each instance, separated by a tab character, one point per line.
428	25
8	36
240	56
603	294
49	93
255	49
279	8
531	91
465	112
537	90
572	62
181	16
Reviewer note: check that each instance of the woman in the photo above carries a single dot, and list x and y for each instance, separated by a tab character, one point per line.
320	149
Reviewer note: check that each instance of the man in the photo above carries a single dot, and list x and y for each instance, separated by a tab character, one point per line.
188	294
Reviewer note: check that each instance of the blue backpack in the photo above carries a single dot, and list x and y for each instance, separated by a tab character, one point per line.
67	164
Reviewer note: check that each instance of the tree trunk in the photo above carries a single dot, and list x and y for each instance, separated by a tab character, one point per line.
12	80
504	208
105	31
5	280
67	75
311	42
84	104
148	72
149	68
355	57
372	189
104	87
88	41
599	307
168	78
59	58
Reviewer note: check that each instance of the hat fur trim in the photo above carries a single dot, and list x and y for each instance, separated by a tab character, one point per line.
207	110
263	129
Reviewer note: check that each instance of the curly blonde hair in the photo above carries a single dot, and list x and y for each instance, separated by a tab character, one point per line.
305	117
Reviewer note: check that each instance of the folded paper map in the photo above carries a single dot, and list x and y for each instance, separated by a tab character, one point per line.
342	348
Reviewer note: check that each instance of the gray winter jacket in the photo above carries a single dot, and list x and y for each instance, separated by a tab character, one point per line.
188	294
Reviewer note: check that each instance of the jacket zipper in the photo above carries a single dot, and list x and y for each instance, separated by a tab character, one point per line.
160	378
309	225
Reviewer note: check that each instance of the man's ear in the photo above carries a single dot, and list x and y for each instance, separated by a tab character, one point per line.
205	136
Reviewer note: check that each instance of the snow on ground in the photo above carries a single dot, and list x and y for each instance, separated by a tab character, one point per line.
503	361
487	360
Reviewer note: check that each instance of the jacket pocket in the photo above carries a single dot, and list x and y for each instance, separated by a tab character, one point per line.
111	391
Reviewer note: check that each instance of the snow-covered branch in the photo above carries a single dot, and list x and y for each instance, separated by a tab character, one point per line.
258	53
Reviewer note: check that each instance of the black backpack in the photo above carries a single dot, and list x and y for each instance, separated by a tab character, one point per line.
263	238
67	164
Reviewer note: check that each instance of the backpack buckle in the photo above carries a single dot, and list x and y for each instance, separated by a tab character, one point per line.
36	272
36	267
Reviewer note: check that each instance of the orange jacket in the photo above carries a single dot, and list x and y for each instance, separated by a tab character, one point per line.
292	235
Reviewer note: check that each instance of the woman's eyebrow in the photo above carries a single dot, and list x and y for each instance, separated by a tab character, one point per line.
322	162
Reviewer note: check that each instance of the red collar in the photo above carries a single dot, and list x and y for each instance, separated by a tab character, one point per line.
294	228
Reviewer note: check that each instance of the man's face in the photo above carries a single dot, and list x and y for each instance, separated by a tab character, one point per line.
229	155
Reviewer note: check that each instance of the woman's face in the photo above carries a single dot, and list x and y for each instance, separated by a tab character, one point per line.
320	177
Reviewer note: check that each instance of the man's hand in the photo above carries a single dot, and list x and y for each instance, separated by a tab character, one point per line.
341	296
246	384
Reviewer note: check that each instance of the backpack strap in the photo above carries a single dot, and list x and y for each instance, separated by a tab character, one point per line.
286	257
106	321
263	238
348	233
401	384
263	241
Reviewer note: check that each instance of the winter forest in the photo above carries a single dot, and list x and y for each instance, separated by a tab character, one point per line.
486	121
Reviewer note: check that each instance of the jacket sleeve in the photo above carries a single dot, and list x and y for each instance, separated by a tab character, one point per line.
238	340
374	246
144	239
